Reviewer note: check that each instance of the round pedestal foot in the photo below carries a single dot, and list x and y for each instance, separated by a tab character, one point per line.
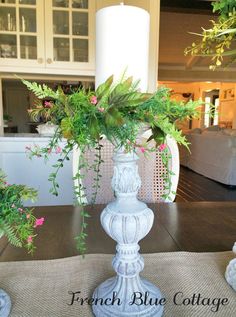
5	304
122	297
230	273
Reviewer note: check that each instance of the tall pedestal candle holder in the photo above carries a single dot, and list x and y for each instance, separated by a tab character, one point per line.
127	220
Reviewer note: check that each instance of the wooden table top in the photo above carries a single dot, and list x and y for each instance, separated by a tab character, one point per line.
196	227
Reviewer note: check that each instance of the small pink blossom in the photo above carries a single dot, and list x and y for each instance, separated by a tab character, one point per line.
28	216
47	104
38	222
29	239
162	147
58	150
142	149
128	142
49	150
20	209
13	206
101	109
94	100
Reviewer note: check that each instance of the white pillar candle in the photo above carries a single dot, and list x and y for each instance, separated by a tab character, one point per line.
122	43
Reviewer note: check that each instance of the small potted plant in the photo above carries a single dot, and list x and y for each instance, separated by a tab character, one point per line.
7	119
17	223
43	113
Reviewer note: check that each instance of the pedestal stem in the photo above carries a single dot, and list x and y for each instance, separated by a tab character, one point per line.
127	220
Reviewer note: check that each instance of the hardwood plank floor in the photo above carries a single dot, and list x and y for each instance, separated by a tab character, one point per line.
195	187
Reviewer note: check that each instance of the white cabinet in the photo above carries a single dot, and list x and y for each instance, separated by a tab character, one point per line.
21	170
47	36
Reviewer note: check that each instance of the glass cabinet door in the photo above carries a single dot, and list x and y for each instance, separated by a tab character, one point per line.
47	34
71	32
20	31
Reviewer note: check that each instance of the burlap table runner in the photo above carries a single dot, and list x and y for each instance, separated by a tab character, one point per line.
40	288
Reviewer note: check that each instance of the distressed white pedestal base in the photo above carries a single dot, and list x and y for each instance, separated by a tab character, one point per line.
127	220
5	304
124	290
230	273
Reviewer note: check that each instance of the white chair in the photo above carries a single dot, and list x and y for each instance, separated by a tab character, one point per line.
151	170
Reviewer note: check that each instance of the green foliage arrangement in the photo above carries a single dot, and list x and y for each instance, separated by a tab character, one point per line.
116	111
17	222
217	42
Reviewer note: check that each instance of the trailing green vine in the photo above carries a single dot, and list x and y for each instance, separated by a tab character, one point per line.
166	176
96	168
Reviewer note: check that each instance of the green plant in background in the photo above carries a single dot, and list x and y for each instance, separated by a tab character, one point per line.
7	117
217	42
17	222
116	111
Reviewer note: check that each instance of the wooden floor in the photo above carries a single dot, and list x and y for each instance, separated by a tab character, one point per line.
195	187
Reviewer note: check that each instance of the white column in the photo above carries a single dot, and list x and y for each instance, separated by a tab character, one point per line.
153	7
122	43
154	44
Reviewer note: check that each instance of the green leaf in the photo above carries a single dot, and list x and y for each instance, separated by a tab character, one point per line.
104	88
94	127
158	135
66	128
113	117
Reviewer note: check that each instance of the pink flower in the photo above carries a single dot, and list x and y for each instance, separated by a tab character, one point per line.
47	104
38	222
162	147
101	109
13	206
142	149
28	216
49	150
94	100
20	209
58	150
29	239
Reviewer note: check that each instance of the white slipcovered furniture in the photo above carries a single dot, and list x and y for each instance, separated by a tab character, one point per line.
213	154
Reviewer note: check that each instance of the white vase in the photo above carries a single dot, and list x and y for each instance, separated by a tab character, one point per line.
46	129
127	220
5	301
